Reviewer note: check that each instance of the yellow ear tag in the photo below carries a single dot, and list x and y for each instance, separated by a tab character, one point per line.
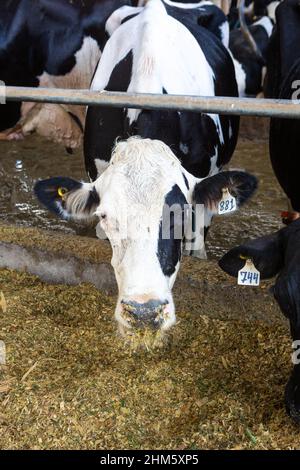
62	192
228	203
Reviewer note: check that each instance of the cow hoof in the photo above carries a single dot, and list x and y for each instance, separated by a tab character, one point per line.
292	398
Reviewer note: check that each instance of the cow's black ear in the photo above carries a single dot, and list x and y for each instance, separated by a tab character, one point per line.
68	198
267	254
209	191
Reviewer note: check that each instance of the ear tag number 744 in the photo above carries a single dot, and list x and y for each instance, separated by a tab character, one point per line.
249	275
227	203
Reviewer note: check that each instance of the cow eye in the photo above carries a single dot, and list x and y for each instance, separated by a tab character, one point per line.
103	216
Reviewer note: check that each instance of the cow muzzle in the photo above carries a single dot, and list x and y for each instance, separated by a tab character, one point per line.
152	314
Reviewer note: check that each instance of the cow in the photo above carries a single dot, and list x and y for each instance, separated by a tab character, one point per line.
279	253
282	82
144	201
175	159
253	10
186	59
250	67
203	13
54	43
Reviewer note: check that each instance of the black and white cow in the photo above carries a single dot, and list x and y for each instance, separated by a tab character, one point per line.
282	81
279	253
253	10
52	43
153	52
203	13
249	67
144	200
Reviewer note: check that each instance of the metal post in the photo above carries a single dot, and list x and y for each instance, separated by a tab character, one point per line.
215	105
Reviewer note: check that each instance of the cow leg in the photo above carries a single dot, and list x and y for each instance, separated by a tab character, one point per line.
15	133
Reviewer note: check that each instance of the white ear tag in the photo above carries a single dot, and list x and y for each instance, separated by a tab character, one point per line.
227	203
249	275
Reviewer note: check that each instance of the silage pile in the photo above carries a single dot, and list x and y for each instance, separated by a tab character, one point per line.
70	382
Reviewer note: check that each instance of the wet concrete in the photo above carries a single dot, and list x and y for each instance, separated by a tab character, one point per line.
22	163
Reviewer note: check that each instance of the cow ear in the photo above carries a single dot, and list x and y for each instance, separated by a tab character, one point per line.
209	191
68	198
267	254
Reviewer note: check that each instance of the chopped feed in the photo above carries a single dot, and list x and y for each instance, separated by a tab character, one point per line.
70	382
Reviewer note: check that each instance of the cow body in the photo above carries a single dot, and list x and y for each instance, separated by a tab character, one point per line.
159	176
203	13
155	53
50	43
283	71
279	253
245	58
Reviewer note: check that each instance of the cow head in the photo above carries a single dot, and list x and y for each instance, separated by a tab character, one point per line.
144	200
278	254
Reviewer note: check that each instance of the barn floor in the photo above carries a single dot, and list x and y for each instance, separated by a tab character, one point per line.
71	383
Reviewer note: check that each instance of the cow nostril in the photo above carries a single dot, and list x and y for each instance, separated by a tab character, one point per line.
151	313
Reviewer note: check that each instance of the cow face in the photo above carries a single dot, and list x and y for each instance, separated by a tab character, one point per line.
145	201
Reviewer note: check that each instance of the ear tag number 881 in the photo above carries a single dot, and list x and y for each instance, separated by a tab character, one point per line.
227	203
249	275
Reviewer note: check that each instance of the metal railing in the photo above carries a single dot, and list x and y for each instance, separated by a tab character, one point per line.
215	105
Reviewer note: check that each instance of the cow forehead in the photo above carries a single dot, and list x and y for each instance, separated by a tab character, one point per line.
143	172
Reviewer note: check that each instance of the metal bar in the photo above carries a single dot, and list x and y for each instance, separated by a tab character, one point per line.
215	105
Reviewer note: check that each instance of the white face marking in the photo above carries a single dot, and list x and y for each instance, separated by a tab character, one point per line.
142	172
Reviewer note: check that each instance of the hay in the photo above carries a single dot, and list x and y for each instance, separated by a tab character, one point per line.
71	383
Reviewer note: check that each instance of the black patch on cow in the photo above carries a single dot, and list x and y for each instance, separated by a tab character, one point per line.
244	54
169	251
92	201
76	120
39	36
186	181
105	124
209	17
47	192
199	134
197	131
